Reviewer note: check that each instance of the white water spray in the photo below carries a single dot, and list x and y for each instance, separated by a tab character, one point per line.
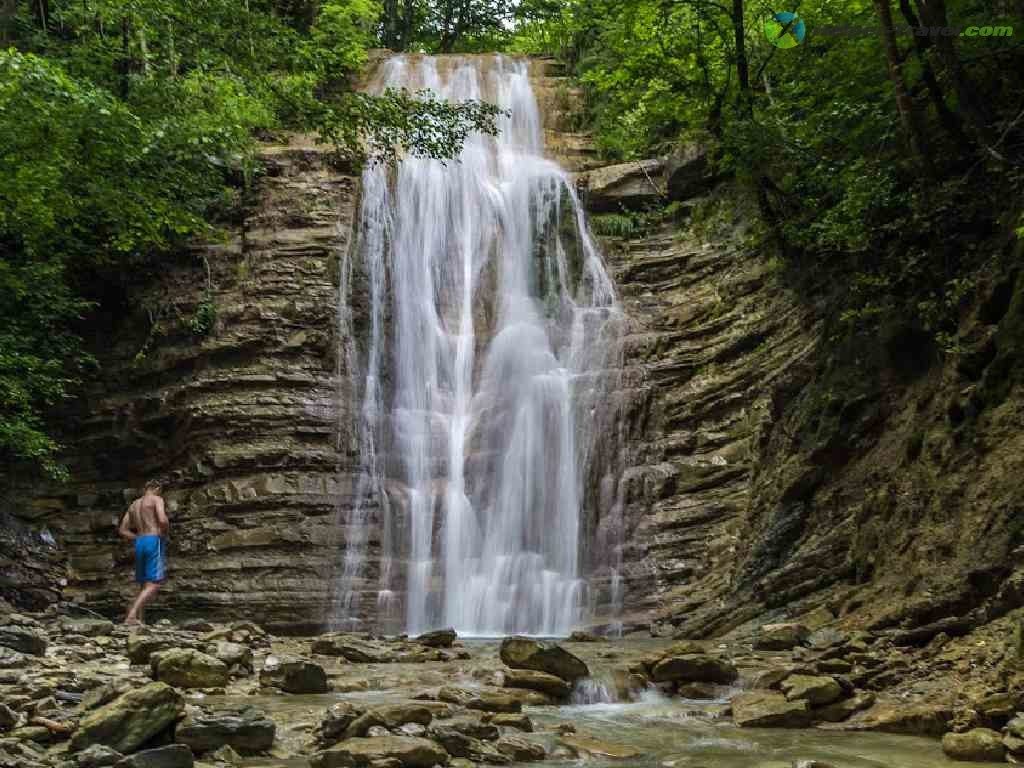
491	321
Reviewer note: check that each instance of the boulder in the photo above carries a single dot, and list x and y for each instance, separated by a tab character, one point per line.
980	745
406	751
768	709
388	716
170	756
580	636
97	756
335	721
781	637
294	675
520	722
527	653
688	172
141	645
23	639
130	720
537	681
839	711
188	668
459	744
8	718
520	750
247	730
626	186
693	668
87	627
235	655
816	691
351	649
915	719
439	638
485	701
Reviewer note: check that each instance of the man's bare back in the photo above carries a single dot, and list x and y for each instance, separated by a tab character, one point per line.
146	516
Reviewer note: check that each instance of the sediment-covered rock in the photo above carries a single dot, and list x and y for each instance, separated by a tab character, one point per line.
767	709
24	639
816	691
980	745
693	668
406	751
527	653
130	720
169	756
439	638
187	668
294	675
247	730
537	681
781	637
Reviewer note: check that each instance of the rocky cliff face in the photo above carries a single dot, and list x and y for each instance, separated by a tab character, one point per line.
223	379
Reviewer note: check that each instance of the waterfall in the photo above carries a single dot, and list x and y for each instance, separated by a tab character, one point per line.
480	371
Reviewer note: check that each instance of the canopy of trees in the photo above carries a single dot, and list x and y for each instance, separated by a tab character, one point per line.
880	160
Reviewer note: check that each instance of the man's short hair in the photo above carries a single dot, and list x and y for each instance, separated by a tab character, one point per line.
154	485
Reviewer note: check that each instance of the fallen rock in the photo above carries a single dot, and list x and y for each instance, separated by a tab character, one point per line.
141	645
294	675
130	720
188	668
694	668
980	745
781	637
97	756
87	627
537	681
171	756
588	746
235	655
816	691
23	639
247	730
352	649
459	744
525	653
520	750
406	751
914	719
579	636
335	722
485	701
767	709
388	716
439	638
8	718
519	722
688	172
839	711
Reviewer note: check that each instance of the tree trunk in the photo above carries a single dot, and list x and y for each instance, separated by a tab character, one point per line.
739	39
904	104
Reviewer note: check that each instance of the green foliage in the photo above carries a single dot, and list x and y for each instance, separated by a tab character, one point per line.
122	128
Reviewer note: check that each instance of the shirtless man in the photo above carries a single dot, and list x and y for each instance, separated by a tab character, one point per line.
146	524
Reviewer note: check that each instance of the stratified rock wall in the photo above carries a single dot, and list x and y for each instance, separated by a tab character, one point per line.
242	420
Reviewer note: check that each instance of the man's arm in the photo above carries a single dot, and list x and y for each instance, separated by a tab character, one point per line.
125	529
161	517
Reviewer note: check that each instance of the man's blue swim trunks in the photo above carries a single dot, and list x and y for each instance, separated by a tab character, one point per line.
150	559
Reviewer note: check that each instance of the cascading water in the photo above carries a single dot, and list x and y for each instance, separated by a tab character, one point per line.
491	323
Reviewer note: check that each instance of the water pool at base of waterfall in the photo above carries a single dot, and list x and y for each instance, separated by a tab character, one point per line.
655	731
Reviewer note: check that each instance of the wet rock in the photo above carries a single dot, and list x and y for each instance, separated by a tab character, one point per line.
587	746
8	718
980	745
767	709
486	728
23	639
484	701
389	716
130	720
294	675
537	681
579	636
171	756
439	638
520	722
781	637
839	711
526	653
337	719
697	691
520	750
694	668
141	645
816	691
916	719
234	655
225	755
97	756
247	730
351	649
102	694
87	627
772	678
459	744
187	668
409	752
